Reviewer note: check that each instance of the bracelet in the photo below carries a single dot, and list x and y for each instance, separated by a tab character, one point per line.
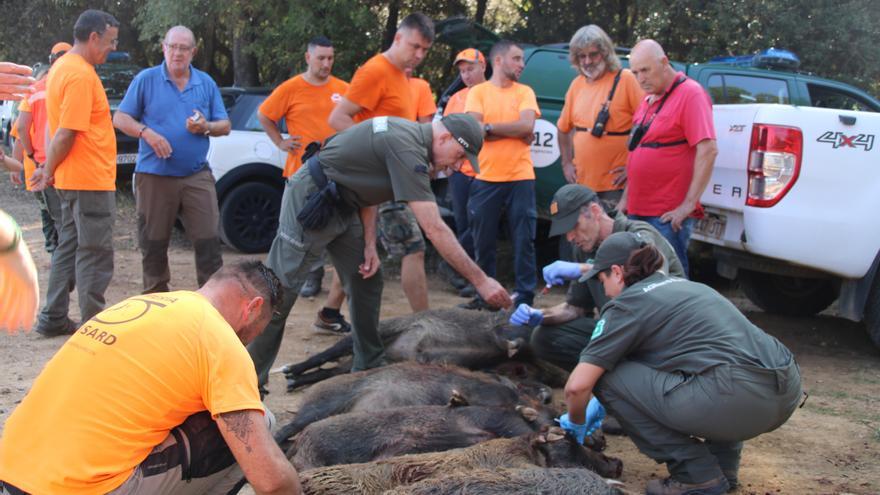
16	238
144	128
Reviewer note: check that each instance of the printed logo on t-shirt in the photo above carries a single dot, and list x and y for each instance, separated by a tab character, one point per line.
380	124
600	327
336	97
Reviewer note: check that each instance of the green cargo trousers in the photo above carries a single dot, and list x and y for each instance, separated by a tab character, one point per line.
294	253
696	423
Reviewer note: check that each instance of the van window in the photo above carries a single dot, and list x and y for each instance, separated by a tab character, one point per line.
828	97
735	89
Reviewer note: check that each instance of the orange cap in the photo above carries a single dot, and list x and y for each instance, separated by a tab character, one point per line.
470	55
60	47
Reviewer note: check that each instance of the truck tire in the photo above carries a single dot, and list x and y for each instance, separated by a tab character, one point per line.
872	312
249	217
792	296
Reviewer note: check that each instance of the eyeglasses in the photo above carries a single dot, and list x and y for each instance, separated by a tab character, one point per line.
178	48
592	55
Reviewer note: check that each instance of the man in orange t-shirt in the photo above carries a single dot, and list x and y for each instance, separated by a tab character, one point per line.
81	163
32	129
422	98
471	65
156	394
380	88
598	162
305	102
506	182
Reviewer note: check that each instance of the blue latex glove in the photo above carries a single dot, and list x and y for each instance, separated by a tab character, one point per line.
595	415
559	272
578	431
527	315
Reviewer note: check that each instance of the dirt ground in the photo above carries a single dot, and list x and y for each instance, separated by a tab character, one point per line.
830	446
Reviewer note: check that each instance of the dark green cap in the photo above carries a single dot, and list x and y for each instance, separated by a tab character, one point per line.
467	131
565	207
615	250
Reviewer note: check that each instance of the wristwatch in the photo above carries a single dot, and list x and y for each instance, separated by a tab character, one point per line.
207	129
487	128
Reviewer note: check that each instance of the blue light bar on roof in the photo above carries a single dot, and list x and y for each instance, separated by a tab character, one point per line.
771	58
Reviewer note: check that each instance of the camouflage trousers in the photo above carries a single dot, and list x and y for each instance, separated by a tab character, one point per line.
399	231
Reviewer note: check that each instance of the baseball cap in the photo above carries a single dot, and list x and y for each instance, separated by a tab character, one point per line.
469	55
466	130
60	47
565	207
614	250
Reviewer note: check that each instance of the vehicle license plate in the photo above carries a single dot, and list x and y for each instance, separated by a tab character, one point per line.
126	158
711	225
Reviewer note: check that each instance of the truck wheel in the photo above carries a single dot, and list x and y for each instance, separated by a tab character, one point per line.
249	217
793	296
872	312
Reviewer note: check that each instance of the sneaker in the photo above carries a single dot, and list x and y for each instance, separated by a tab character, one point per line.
68	328
311	288
477	304
669	486
332	325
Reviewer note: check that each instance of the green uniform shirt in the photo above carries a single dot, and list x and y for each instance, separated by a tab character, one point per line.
580	293
675	325
380	159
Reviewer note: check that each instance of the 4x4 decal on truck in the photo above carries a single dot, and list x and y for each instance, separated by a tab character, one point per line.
839	139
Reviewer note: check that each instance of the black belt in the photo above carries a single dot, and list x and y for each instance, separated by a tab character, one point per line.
587	129
656	145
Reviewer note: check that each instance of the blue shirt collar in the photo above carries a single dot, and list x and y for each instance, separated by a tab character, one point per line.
194	78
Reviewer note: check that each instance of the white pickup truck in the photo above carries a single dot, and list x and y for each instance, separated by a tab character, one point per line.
789	208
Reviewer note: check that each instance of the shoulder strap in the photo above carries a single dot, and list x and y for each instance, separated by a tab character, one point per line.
614	86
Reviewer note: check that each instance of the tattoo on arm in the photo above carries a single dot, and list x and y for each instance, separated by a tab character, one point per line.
240	424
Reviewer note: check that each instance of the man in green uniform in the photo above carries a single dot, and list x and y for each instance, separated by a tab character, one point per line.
381	159
565	329
688	376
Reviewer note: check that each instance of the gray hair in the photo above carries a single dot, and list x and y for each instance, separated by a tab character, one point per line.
588	36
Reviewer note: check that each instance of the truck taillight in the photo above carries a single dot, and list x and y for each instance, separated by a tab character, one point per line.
774	163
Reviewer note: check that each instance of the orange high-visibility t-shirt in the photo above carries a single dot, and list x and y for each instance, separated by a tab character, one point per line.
75	100
456	105
382	90
422	97
118	386
305	108
35	104
508	159
594	158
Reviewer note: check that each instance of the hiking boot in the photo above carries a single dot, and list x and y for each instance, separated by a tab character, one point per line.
669	486
732	480
334	324
311	288
477	304
67	328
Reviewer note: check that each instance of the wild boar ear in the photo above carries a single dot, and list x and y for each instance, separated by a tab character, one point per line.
527	413
553	436
513	347
457	400
539	438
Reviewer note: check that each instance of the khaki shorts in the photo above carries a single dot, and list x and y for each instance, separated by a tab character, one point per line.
398	230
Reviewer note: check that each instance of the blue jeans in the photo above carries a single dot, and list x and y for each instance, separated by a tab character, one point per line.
517	199
679	240
460	187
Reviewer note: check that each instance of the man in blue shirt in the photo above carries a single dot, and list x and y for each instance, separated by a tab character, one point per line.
173	108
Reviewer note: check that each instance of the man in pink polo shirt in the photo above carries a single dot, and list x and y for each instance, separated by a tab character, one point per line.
670	166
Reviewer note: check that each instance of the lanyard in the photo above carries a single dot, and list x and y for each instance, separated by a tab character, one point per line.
662	102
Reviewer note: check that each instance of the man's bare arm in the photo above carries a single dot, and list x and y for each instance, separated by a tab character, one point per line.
25	119
566	150
521	128
447	245
342	116
262	462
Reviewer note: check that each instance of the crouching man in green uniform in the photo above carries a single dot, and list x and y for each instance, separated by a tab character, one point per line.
686	374
378	160
577	212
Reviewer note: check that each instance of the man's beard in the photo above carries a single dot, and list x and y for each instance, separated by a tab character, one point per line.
512	75
594	71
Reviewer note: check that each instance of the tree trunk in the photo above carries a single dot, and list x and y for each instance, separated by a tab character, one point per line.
480	16
244	64
391	24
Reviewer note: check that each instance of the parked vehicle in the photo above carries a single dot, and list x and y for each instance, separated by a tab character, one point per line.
7	117
792	188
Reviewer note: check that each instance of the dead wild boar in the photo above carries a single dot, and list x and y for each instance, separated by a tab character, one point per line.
549	448
411	384
367	436
530	481
471	339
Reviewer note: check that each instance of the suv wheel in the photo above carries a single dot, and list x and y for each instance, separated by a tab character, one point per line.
249	217
792	296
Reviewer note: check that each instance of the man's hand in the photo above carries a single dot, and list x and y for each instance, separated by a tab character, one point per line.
40	180
494	294
15	81
595	414
677	216
619	174
579	432
559	272
15	178
529	139
290	144
160	145
569	172
371	261
19	292
197	123
526	315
